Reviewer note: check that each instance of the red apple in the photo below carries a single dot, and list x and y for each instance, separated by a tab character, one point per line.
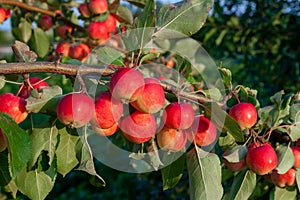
127	84
171	139
152	99
203	131
84	10
108	110
14	106
138	127
64	31
245	114
105	131
7	13
234	166
111	23
98	6
3	141
170	63
261	158
296	152
178	115
64	48
98	31
80	52
2	15
75	109
36	83
45	22
286	179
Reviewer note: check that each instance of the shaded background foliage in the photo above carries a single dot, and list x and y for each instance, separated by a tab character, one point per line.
258	41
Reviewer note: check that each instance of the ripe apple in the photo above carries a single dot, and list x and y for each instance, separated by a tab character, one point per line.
14	106
3	141
105	131
171	139
84	10
286	179
261	158
98	31
63	31
202	131
111	23
98	6
75	109
108	110
7	13
138	127
2	15
245	114
80	52
63	47
36	83
234	166
45	22
178	115
296	152
126	84
170	63
152	99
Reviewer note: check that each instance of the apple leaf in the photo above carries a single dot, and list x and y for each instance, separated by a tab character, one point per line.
178	18
223	121
12	188
172	173
48	100
243	185
285	159
298	178
23	32
43	138
138	3
236	154
147	17
65	152
4	169
35	185
22	52
40	42
19	144
204	175
123	15
284	194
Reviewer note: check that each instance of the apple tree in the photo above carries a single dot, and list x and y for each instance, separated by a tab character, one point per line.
138	93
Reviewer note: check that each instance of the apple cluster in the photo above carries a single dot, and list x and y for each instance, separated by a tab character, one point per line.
4	14
146	117
15	105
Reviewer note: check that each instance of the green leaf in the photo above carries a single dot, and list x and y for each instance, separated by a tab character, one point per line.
46	100
223	121
23	32
123	15
139	3
19	144
285	159
221	36
147	18
65	152
40	42
236	154
243	185
35	185
187	18
204	175
4	169
284	194
44	138
107	55
22	52
2	81
12	188
226	76
298	178
172	173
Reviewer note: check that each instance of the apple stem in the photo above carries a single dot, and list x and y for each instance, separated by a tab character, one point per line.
236	96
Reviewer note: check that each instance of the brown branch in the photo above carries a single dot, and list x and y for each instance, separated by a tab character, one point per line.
43	11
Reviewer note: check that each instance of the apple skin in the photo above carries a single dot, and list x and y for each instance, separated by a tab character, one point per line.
45	22
108	111
245	114
296	152
3	141
171	139
2	15
98	6
127	84
202	131
36	83
178	115
64	48
63	31
75	109
111	23
14	106
152	99
80	52
261	158
234	166
105	131
138	127
98	31
84	10
286	179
